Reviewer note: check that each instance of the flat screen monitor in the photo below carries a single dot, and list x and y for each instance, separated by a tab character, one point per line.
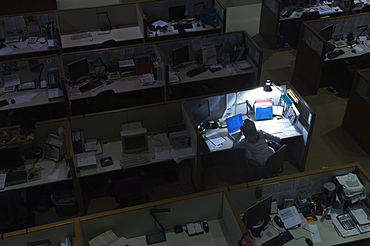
327	32
78	69
10	158
202	113
176	12
257	213
135	143
180	55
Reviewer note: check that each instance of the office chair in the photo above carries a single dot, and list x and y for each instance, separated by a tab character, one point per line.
275	162
104	101
14	213
130	191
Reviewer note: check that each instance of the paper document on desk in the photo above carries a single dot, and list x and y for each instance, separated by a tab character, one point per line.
11	79
173	77
290	217
108	238
181	154
86	159
5	50
162	153
215	138
27	97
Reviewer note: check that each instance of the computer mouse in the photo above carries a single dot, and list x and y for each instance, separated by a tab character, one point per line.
205	226
203	25
309	242
30	176
91	39
278	221
12	101
353	51
198	25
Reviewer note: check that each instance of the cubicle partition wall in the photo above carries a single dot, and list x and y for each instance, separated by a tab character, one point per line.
129	87
269	22
30	85
228	50
313	67
296	135
357	109
214	206
104	26
57	233
163	14
302	185
16	30
106	128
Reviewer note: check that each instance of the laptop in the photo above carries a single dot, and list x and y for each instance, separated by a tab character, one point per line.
233	125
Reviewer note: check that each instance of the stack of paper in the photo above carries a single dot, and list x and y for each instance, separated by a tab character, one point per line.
353	190
343	232
360	214
181	154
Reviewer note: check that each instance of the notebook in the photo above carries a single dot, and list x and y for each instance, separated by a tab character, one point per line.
233	125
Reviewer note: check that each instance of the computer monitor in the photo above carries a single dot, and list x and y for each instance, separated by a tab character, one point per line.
180	55
176	12
202	113
327	32
258	214
234	122
135	143
10	158
78	70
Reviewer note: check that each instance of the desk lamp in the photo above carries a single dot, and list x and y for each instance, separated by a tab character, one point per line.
158	236
267	86
352	40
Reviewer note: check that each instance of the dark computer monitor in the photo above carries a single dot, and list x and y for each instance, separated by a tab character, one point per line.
180	55
202	113
176	12
78	70
135	143
327	32
10	158
258	213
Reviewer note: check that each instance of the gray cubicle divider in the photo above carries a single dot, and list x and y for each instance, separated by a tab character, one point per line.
120	15
287	187
213	206
57	233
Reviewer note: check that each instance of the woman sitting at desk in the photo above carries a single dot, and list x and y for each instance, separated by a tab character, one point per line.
255	144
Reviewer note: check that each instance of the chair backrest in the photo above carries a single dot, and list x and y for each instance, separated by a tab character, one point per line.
105	100
128	188
275	162
13	210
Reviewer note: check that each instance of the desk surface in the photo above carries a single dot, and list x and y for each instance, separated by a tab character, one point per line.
215	237
359	48
113	149
47	166
124	84
323	10
281	128
40	98
10	50
208	75
197	27
328	234
99	37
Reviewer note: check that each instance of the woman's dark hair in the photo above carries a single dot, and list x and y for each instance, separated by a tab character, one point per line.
250	132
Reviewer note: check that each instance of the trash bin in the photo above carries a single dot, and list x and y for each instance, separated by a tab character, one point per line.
64	202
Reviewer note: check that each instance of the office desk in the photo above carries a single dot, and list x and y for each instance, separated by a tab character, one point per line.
119	35
11	52
124	84
113	149
281	128
215	237
41	98
314	69
171	32
328	233
47	166
323	9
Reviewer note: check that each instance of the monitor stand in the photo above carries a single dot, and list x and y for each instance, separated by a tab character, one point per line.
257	229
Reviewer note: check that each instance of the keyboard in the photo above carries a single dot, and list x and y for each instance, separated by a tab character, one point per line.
334	54
183	26
280	239
91	85
81	35
196	71
16	177
135	160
